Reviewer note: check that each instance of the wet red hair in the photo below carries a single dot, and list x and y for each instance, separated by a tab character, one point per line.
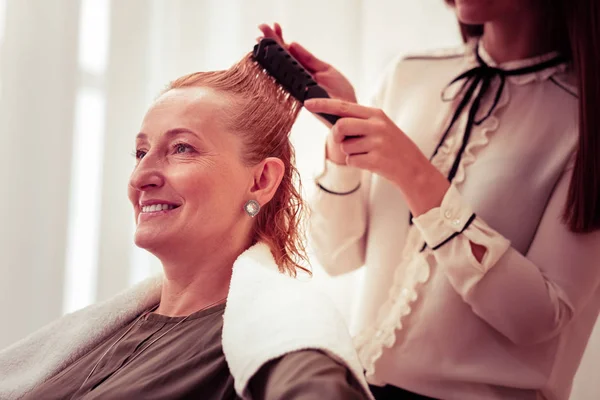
262	114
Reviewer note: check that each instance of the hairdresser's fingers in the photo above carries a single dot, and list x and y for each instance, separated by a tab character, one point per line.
339	107
306	58
354	146
363	161
279	31
345	127
268	32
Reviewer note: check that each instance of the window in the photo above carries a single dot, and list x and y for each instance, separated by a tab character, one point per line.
2	25
2	18
86	176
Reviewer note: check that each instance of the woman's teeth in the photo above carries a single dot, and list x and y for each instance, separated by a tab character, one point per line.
157	207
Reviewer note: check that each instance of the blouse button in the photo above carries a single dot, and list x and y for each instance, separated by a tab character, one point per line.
456	222
448	214
378	333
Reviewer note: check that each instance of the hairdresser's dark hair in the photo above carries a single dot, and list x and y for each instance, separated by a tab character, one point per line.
575	25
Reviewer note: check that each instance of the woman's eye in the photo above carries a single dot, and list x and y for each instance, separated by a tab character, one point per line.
182	148
139	154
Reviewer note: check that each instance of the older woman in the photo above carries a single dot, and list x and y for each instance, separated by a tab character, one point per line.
214	199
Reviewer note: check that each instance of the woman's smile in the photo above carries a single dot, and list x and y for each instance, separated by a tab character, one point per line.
152	209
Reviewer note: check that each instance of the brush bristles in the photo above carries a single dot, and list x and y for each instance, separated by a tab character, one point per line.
263	72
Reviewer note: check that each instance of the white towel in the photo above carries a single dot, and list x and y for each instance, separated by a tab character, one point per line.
268	314
48	351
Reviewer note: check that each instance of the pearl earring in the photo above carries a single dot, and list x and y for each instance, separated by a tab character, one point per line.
252	208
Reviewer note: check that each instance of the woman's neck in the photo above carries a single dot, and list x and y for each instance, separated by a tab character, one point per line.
185	295
196	280
522	36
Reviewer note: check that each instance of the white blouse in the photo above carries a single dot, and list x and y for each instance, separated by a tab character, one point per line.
438	322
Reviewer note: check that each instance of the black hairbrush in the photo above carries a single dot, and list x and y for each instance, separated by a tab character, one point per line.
289	73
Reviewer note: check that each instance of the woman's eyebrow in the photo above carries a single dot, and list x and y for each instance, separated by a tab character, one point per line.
179	131
170	133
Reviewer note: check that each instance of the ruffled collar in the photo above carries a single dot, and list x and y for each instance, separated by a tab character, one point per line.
476	45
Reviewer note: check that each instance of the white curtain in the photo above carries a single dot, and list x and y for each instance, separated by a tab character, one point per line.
75	80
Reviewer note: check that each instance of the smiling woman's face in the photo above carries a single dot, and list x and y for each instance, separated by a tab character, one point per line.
189	183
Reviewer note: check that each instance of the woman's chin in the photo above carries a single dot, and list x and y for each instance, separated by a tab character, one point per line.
472	18
148	239
472	14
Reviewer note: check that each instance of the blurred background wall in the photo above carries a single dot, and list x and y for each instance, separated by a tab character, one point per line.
75	80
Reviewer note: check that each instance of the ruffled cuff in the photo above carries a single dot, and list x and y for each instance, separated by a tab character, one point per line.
440	224
453	226
339	179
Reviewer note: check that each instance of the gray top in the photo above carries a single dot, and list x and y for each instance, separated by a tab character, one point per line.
188	363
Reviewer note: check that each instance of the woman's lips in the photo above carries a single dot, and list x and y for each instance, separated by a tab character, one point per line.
149	215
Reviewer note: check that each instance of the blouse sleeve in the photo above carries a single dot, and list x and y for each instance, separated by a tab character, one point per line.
338	222
304	375
528	298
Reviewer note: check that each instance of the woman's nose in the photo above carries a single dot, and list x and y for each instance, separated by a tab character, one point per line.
147	175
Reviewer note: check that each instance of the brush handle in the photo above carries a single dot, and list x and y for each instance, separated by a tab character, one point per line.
332	119
316	92
290	74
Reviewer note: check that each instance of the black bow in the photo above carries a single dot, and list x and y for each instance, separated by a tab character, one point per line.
481	76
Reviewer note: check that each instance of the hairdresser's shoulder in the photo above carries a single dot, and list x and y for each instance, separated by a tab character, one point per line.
441	54
566	81
414	65
436	67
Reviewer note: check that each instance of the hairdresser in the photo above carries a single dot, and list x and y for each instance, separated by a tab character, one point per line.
470	191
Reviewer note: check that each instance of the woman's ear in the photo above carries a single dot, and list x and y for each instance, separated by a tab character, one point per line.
267	177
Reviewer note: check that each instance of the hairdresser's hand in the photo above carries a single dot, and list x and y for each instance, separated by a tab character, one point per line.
324	74
379	146
333	81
